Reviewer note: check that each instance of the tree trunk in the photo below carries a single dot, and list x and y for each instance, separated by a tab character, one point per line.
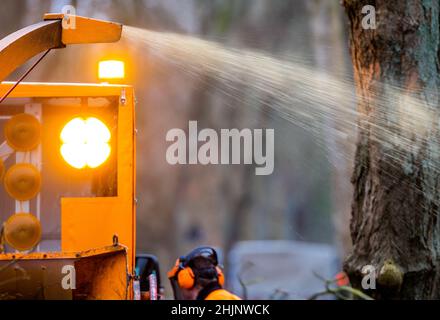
395	225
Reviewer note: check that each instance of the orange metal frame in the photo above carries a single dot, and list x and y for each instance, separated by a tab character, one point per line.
89	223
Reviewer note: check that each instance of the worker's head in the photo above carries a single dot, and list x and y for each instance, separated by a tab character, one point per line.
194	272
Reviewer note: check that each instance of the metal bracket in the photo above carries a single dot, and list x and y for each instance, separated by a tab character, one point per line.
123	97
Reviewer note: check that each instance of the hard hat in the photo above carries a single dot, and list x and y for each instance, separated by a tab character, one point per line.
184	273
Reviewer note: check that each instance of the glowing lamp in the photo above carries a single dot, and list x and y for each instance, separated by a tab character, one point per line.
85	143
111	70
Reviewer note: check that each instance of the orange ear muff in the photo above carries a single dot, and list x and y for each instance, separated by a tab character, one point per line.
186	278
173	272
221	276
2	169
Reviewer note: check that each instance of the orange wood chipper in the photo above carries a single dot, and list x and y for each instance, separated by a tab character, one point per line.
67	170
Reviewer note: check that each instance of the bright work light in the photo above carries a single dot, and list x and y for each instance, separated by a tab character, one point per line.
111	69
85	143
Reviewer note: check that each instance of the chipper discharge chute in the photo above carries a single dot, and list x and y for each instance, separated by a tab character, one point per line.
67	168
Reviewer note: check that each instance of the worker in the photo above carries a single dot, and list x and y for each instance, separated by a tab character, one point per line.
198	276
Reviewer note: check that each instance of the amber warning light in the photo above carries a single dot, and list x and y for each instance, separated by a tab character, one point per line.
85	143
111	70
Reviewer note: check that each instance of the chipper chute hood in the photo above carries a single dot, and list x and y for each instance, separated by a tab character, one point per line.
24	44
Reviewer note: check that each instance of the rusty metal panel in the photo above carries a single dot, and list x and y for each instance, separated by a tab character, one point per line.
100	274
102	278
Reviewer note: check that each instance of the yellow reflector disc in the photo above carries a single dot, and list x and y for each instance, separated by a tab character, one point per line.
23	132
23	181
22	231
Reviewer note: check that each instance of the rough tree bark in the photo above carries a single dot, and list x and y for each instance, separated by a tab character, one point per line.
395	225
